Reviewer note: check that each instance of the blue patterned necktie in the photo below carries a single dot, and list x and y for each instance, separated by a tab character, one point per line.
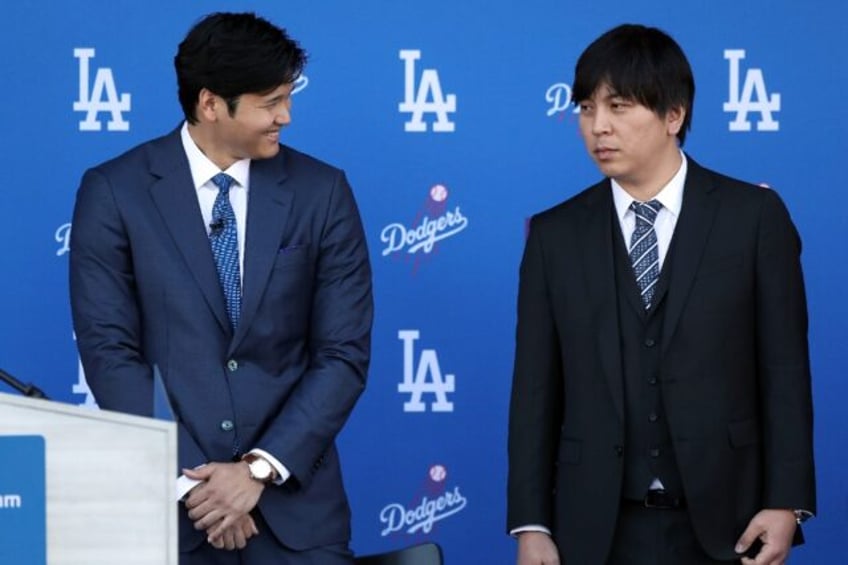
644	255
224	239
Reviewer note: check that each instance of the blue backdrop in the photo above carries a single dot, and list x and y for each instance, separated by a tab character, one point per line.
454	123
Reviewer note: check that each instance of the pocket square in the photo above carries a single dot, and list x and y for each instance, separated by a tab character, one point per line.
291	248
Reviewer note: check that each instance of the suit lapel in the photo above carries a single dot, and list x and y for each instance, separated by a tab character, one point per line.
598	262
175	198
690	238
268	205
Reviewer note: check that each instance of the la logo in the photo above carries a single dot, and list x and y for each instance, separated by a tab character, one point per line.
81	386
93	102
415	381
754	97
428	98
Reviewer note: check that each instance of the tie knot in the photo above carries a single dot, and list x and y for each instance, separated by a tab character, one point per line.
223	181
646	212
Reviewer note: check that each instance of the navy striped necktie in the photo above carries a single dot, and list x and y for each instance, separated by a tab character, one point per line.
644	255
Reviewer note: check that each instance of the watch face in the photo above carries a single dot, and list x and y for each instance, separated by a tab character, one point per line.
260	469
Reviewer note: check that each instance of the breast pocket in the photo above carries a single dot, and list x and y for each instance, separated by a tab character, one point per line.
292	277
719	265
292	256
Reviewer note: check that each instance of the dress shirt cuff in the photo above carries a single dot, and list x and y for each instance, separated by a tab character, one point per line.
283	473
802	515
529	528
184	485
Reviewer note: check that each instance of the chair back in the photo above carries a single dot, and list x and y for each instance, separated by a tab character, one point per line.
422	554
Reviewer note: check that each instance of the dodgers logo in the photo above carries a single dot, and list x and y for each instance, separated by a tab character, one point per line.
437	503
300	83
558	96
426	378
92	102
435	222
63	238
427	99
753	98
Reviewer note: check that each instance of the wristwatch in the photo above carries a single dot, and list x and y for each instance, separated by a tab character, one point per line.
259	468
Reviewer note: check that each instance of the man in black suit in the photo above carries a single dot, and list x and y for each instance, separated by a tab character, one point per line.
661	408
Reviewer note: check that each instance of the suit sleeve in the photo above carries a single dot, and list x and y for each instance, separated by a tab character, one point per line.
105	308
783	362
535	405
339	343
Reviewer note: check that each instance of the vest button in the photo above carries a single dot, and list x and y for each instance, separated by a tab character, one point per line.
652	381
654	452
227	425
232	365
650	342
652	417
619	450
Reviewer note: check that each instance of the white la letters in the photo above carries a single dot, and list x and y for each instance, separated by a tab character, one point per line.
417	103
754	96
415	383
92	103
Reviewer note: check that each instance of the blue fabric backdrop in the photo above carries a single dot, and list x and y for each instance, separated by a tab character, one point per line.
445	211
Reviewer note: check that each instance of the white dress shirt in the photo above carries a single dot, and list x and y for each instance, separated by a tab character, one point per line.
671	198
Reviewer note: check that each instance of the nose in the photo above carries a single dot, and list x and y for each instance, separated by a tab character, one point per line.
283	117
600	122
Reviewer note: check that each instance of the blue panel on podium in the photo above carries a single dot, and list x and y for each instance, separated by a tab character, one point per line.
23	521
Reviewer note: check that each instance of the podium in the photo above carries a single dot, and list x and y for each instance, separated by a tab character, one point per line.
109	483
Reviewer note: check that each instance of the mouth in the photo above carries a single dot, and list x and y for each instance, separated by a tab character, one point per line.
273	135
604	153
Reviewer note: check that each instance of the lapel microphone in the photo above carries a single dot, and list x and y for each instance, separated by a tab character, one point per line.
216	226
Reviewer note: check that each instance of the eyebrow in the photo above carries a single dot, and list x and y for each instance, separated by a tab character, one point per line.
275	99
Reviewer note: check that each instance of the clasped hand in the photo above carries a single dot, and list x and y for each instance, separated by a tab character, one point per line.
221	504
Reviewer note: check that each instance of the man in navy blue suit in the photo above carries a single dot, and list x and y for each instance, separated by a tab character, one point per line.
238	267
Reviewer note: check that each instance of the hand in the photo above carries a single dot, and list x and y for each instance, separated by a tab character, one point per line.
536	548
226	495
775	529
236	536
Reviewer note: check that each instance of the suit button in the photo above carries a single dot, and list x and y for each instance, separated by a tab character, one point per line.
619	450
650	342
654	452
652	417
232	365
652	381
227	425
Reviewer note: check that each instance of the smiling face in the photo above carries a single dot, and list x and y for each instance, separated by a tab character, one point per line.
629	142
251	132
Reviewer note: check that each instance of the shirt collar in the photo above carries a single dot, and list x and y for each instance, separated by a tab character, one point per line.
670	196
202	169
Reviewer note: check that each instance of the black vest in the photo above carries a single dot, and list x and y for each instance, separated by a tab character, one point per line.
648	452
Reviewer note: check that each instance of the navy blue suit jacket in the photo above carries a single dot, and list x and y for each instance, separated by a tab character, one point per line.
145	292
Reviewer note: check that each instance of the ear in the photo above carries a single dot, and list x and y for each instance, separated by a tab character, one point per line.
674	120
207	105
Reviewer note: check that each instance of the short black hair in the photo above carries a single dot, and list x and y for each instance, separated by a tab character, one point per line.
233	54
639	63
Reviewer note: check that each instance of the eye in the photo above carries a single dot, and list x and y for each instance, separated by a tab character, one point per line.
619	105
584	107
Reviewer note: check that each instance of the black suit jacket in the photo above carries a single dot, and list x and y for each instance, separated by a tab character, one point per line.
734	368
145	291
